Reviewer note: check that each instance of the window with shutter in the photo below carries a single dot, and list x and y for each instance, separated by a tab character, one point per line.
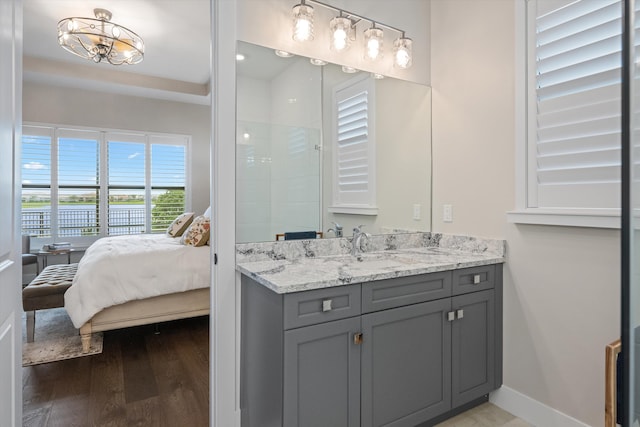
572	54
79	184
354	186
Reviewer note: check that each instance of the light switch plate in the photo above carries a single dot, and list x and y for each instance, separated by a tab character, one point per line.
447	213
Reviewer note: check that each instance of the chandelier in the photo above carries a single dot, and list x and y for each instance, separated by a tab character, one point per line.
99	38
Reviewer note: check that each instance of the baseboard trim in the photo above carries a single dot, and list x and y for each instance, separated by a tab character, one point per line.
532	411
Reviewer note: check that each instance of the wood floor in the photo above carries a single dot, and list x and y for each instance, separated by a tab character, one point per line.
140	379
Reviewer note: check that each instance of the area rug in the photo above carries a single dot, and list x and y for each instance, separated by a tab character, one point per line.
55	339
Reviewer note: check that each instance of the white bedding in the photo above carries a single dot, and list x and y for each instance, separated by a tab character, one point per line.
118	269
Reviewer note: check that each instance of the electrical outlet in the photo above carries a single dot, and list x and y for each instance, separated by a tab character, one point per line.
416	212
447	213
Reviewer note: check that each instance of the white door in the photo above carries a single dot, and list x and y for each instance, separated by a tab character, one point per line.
10	263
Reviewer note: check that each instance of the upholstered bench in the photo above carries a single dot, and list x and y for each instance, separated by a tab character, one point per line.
46	291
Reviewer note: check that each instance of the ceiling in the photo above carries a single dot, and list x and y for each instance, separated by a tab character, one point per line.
176	63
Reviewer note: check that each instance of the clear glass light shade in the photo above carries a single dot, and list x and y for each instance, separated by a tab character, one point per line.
99	39
302	22
402	52
373	43
341	33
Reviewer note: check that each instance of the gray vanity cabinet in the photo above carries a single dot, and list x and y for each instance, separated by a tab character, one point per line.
394	353
473	346
406	364
322	375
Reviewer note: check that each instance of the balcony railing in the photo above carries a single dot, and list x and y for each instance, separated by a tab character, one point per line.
83	222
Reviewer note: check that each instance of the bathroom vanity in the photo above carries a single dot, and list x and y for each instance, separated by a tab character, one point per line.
401	336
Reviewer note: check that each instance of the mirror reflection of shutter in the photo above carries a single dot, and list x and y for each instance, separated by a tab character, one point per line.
577	117
353	171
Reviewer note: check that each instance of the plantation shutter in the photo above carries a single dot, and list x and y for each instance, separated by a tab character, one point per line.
168	179
127	196
354	164
78	176
36	181
577	106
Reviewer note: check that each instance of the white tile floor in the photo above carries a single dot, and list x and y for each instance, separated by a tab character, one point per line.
485	415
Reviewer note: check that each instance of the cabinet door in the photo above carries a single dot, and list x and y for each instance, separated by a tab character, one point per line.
473	346
406	364
322	375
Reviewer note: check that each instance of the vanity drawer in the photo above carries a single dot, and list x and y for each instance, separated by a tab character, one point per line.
321	305
473	279
391	293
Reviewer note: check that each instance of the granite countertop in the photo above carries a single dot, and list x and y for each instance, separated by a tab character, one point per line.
296	266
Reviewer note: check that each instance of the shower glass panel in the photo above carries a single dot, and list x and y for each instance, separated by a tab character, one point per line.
278	180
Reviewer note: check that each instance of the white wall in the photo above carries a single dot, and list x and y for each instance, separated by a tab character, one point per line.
561	290
57	105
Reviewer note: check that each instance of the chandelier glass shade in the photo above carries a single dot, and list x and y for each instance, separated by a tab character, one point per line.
100	39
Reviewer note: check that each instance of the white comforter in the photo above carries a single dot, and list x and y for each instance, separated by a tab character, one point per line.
118	269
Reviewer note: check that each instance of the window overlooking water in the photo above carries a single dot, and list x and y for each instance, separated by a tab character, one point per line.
79	184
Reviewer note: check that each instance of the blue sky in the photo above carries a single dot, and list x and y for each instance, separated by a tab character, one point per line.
78	162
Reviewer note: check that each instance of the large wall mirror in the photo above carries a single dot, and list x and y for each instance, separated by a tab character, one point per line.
285	153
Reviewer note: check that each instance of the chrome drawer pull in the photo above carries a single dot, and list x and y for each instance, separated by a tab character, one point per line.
326	305
460	314
451	316
476	279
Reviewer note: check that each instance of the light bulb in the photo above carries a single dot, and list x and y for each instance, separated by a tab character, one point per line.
341	29
302	22
373	43
402	52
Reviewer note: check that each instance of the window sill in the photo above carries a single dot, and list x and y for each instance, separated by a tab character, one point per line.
567	218
353	210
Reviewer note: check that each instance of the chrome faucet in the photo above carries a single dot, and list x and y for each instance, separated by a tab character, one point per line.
337	229
356	241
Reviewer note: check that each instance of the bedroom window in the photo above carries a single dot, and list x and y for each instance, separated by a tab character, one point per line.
354	164
80	184
569	160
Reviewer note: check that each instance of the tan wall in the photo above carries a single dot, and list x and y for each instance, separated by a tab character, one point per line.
57	105
561	297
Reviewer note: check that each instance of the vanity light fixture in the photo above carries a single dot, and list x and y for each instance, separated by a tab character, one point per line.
342	30
98	38
240	57
377	76
318	62
302	22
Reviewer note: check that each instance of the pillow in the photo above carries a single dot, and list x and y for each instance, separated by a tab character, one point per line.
207	213
180	224
198	232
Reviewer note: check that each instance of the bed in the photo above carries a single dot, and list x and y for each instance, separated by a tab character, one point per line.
125	281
